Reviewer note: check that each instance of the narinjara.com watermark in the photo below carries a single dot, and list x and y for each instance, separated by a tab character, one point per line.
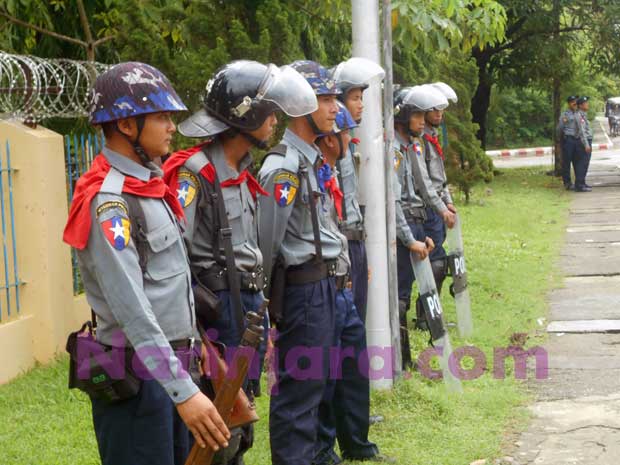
305	363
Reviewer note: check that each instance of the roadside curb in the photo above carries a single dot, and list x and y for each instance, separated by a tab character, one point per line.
538	151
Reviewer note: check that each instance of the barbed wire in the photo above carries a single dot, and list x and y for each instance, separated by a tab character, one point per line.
33	88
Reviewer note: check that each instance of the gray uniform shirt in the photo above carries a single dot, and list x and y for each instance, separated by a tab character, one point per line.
405	189
200	213
152	307
284	218
422	179
436	168
567	125
352	217
585	131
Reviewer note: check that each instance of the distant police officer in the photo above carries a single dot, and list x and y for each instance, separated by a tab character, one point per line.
352	78
239	112
583	152
300	254
568	132
344	411
409	109
434	188
123	222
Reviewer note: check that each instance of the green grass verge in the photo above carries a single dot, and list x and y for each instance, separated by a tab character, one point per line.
513	232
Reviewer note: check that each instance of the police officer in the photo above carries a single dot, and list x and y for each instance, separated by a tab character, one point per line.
583	153
434	188
409	109
123	223
568	132
352	78
300	249
239	113
344	411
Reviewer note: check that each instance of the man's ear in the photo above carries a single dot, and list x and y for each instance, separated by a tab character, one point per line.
330	141
127	126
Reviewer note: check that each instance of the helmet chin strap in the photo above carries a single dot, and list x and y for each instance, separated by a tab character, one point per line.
340	146
261	144
140	120
313	125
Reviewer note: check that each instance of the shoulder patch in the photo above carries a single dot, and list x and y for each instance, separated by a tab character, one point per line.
112	204
398	157
117	231
285	188
188	186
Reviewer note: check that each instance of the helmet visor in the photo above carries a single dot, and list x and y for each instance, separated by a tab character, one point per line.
426	98
289	90
446	90
357	71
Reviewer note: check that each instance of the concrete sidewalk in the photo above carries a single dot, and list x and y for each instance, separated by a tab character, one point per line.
576	416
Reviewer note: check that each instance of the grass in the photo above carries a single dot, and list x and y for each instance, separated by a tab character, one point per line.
513	231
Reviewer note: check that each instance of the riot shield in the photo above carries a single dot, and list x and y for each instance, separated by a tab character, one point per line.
434	317
458	271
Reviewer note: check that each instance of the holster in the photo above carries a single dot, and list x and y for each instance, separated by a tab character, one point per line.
99	383
208	305
276	291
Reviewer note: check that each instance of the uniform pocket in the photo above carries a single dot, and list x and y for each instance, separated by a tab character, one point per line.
233	211
166	258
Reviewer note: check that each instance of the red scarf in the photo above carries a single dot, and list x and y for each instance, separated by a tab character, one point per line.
78	225
435	141
178	159
332	187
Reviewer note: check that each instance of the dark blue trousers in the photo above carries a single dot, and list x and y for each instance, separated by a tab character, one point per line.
403	264
305	334
345	408
359	276
143	430
582	163
229	334
569	146
435	228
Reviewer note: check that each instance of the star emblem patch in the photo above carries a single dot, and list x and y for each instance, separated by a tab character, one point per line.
186	193
285	188
117	231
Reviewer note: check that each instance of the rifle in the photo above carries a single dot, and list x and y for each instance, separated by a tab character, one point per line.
229	395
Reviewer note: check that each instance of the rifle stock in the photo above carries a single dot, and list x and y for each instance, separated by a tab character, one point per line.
229	397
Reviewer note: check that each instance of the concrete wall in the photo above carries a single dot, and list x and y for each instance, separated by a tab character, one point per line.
48	309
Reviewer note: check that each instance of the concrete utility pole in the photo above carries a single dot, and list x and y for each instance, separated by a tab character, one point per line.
388	123
373	189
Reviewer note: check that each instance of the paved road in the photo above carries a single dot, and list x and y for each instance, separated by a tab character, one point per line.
609	157
576	416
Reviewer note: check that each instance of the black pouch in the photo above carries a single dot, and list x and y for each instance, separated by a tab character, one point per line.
276	291
208	305
102	372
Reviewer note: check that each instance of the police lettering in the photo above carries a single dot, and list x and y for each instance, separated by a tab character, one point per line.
434	306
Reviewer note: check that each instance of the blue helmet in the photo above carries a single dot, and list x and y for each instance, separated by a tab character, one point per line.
132	89
317	76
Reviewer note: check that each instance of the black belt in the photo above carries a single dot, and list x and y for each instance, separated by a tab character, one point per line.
182	344
342	281
253	281
415	215
310	272
354	235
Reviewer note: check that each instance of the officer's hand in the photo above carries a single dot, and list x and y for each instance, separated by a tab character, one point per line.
451	207
203	420
449	218
588	149
430	244
419	249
